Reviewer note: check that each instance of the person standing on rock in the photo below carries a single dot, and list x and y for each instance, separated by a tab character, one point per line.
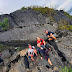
32	52
42	50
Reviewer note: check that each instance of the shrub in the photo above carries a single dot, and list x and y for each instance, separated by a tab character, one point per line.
69	27
44	10
51	18
18	49
63	24
23	8
65	69
4	25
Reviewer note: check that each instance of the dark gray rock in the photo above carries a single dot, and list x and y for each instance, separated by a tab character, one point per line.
5	54
61	33
58	16
28	17
26	33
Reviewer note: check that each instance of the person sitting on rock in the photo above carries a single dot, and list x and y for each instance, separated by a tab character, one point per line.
42	51
42	42
51	39
50	35
32	52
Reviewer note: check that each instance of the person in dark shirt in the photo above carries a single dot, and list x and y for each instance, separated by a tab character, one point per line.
51	39
50	35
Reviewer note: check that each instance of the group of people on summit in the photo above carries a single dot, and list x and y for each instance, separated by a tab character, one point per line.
42	48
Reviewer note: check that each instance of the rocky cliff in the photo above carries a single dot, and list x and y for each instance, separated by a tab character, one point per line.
24	27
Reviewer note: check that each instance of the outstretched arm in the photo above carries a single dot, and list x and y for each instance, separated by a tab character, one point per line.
44	42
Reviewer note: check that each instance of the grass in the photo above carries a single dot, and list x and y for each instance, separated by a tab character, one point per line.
43	10
64	24
69	16
69	27
65	69
3	47
18	49
23	8
4	25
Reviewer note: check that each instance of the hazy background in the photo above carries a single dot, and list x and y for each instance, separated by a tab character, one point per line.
8	6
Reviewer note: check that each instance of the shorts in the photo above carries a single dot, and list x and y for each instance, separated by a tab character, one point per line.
46	56
44	53
30	56
54	35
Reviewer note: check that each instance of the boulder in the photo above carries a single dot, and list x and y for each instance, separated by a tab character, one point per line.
5	54
61	33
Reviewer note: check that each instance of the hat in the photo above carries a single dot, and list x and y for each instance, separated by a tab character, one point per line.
45	31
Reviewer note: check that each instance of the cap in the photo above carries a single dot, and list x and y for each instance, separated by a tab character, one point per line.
45	31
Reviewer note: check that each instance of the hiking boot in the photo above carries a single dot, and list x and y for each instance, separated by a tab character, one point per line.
56	40
52	67
27	70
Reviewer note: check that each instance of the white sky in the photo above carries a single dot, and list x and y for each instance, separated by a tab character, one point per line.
8	6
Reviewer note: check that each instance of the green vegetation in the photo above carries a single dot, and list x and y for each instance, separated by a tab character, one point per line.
3	47
52	19
18	49
69	27
4	25
43	10
68	15
65	69
23	8
64	24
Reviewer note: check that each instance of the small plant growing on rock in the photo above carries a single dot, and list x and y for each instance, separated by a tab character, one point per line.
4	25
23	8
64	24
69	27
65	69
43	10
19	48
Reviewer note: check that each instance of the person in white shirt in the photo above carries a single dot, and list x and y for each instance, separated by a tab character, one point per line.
32	52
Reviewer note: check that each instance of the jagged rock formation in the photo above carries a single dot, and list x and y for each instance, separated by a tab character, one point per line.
25	26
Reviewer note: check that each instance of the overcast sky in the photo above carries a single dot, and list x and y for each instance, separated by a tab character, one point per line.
8	6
